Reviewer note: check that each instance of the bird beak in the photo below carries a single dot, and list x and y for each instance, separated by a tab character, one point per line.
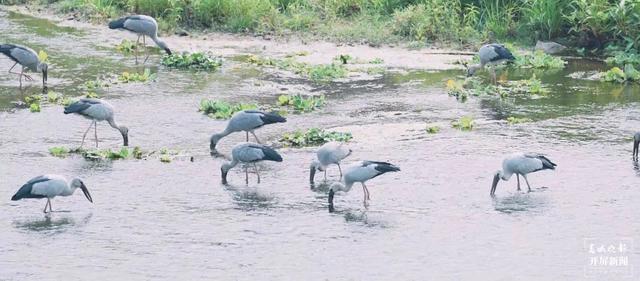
212	145
224	176
635	148
125	138
331	193
168	51
496	179
44	77
86	192
312	174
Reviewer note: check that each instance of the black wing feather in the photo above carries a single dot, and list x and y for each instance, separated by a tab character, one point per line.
6	50
381	167
25	190
269	153
77	107
503	53
270	118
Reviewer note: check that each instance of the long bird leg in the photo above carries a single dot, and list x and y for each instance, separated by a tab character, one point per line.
518	177
146	52
527	181
50	208
14	65
325	174
27	77
136	48
364	187
85	133
495	80
95	127
257	173
247	136
254	135
45	206
365	195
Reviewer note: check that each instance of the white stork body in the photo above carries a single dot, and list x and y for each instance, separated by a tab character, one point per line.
247	121
636	143
50	186
521	164
97	110
360	172
142	26
491	55
249	153
27	58
328	154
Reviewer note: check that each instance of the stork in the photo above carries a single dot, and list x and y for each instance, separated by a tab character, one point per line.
50	186
27	58
249	153
97	110
329	153
248	121
491	55
521	164
360	172
143	26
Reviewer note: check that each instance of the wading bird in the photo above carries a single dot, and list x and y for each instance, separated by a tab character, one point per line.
97	110
636	143
521	164
249	153
248	121
142	26
50	186
491	55
327	154
27	58
360	172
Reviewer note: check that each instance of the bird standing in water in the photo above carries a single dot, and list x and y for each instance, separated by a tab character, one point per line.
521	164
360	172
143	26
50	186
28	59
491	55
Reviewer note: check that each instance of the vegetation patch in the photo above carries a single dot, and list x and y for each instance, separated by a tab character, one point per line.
132	77
59	151
164	155
196	60
433	129
465	123
517	120
528	86
615	74
318	73
300	103
313	137
127	47
222	109
538	59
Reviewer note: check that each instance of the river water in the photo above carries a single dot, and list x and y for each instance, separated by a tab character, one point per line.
434	220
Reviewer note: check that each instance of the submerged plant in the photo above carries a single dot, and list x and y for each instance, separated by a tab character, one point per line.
433	129
313	137
517	120
300	103
128	77
465	123
222	109
197	60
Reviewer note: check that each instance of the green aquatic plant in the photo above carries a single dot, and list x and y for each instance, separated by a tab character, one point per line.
318	73
465	123
517	120
433	129
130	77
528	86
196	60
326	72
222	109
300	103
313	137
59	151
538	59
93	85
376	61
127	47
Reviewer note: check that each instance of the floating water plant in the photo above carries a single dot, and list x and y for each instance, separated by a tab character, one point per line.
59	151
313	137
538	59
300	103
222	109
319	73
95	84
129	77
127	46
528	86
326	72
376	61
517	120
196	60
618	75
465	123
433	129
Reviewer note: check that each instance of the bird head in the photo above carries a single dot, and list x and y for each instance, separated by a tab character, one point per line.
471	70
215	138
224	169
164	46
315	165
496	179
336	186
77	183
125	135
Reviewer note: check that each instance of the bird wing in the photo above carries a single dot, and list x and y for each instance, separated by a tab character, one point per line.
245	121
332	153
6	50
270	118
25	56
268	153
546	163
26	191
380	167
77	107
141	24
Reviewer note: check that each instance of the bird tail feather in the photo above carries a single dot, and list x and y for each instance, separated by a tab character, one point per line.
271	155
270	118
119	23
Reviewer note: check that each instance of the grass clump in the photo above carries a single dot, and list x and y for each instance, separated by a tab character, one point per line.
511	120
196	60
131	77
465	123
300	103
222	109
313	137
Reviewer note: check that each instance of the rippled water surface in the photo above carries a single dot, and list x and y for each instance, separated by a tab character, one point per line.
434	220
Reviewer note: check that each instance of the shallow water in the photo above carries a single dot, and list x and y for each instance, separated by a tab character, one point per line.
433	220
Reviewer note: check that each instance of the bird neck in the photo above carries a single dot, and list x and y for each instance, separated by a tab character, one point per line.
230	165
113	124
68	191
